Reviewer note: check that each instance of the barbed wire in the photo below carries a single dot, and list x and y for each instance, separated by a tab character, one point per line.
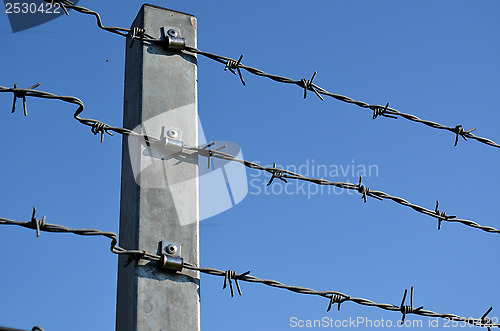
98	127
235	67
35	328
334	297
40	225
365	192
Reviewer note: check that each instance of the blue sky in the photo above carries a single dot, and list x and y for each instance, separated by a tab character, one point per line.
437	60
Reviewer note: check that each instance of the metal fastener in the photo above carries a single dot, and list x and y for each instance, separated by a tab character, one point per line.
172	134
172	33
171	249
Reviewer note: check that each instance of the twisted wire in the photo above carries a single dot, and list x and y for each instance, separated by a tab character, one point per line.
378	110
230	275
342	297
364	191
35	328
232	64
41	225
97	127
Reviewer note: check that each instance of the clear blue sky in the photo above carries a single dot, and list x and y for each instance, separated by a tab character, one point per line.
435	59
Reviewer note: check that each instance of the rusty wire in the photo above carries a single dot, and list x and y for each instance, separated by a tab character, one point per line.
98	127
235	66
230	275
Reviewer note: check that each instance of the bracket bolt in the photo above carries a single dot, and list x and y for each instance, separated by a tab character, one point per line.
172	134
172	33
171	249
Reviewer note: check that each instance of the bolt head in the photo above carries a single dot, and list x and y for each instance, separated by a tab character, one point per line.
171	249
172	33
172	134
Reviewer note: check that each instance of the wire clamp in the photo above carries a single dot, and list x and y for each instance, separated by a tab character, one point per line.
171	256
172	38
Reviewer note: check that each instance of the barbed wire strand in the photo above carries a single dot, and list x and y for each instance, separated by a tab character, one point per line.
35	328
98	127
364	191
232	65
229	275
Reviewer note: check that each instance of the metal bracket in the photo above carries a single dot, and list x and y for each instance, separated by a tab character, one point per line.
171	256
171	139
170	143
172	38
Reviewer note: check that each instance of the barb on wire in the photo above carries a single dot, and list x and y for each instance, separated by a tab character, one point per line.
308	85
136	33
37	224
459	130
229	275
233	65
441	215
408	309
338	299
365	191
379	111
20	93
276	173
485	321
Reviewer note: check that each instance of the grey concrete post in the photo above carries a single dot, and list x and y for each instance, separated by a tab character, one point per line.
159	197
